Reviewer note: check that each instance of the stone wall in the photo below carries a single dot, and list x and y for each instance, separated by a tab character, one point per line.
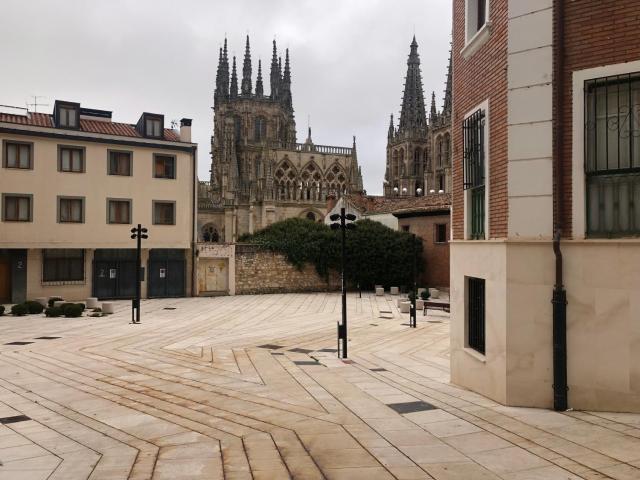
262	271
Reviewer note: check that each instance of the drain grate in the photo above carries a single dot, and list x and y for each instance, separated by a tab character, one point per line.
169	308
373	324
307	362
270	346
301	350
15	419
277	353
378	369
18	343
46	338
329	350
410	407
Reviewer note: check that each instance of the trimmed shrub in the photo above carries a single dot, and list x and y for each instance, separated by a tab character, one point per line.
33	307
1	310
53	312
52	300
72	310
19	310
425	295
376	254
82	305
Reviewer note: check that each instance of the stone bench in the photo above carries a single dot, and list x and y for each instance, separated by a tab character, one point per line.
91	302
379	291
394	291
59	303
405	307
445	307
108	307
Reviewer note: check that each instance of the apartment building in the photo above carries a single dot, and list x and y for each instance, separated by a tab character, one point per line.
73	184
546	144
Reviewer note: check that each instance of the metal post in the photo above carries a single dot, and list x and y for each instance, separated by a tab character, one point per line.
138	280
413	319
344	284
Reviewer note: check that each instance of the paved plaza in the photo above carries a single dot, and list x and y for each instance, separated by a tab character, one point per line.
249	387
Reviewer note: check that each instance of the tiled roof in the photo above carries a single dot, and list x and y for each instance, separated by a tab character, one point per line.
88	126
370	204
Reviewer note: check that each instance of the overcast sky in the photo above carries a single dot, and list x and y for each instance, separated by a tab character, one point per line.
348	60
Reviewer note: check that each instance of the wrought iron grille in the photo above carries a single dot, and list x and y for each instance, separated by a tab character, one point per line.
476	314
474	178
612	155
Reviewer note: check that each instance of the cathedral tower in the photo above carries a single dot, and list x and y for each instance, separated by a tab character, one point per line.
259	173
408	145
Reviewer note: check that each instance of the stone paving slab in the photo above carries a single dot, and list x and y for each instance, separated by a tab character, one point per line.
249	387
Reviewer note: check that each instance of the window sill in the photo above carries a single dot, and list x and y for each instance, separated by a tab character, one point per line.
473	353
478	39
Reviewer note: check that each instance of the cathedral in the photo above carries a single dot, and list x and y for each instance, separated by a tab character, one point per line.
260	174
419	150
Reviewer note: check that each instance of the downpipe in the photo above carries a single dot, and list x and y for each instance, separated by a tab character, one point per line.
559	301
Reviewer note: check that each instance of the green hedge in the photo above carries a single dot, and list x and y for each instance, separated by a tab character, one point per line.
375	253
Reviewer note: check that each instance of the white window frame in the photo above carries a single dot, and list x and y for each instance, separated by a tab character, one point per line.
467	193
578	177
474	39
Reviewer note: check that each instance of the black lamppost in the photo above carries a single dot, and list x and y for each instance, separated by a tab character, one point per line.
137	233
412	310
343	225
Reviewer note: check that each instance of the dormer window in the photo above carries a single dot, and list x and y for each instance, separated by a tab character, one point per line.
67	115
151	126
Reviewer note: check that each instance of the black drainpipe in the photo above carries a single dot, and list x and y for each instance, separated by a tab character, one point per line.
559	300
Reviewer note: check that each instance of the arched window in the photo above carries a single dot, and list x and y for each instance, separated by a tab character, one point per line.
417	162
260	132
394	165
237	124
439	151
447	149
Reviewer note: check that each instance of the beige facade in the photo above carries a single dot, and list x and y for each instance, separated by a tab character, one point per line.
86	225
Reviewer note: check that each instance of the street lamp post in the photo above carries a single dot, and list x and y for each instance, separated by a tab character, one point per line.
343	226
138	233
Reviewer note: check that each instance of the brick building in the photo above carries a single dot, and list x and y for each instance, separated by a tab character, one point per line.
546	107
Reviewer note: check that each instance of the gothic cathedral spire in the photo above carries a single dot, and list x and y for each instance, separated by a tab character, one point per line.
246	70
286	83
446	110
234	80
413	115
259	86
275	74
434	113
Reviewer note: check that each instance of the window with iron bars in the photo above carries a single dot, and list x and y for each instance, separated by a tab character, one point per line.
612	156
474	177
476	314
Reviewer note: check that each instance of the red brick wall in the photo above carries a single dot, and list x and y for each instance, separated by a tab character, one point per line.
435	272
597	33
480	77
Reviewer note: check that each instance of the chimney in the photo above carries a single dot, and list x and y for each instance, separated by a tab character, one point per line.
185	130
331	202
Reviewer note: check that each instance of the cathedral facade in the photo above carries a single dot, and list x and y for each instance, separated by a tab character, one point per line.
419	149
260	174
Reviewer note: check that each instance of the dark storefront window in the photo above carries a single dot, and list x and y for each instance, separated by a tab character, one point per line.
62	265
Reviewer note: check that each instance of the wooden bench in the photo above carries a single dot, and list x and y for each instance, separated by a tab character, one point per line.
436	306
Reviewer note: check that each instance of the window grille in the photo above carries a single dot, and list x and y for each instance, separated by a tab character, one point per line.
474	177
476	314
612	155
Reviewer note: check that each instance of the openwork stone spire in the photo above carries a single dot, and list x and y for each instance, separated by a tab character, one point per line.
446	110
259	86
275	74
413	115
246	70
286	83
234	80
434	112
